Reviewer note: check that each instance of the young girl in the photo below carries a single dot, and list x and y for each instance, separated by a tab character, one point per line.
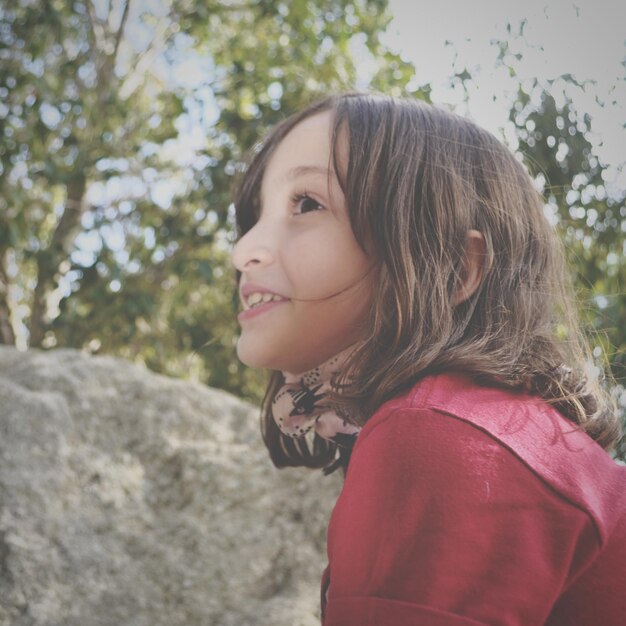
397	273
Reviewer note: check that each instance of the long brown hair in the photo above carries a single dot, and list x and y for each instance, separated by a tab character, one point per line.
417	179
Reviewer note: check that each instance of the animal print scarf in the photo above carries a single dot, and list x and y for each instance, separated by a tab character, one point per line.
299	405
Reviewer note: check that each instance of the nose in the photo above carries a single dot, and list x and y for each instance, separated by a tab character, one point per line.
251	250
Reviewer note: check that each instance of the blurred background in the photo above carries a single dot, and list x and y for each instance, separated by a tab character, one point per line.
123	123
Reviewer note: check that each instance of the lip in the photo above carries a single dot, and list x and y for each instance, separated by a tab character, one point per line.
259	309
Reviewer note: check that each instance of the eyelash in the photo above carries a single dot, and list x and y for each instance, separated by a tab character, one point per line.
298	198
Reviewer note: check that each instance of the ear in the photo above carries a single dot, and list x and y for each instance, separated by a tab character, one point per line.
473	266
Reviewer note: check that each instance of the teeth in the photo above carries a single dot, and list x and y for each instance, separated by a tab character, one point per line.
260	298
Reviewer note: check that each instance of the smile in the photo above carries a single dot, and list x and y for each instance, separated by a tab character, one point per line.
260	308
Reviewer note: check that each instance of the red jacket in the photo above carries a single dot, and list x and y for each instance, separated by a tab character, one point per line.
465	506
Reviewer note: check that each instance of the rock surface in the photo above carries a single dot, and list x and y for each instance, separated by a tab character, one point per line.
128	498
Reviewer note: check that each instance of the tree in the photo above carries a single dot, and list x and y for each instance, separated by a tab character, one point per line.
119	167
555	139
65	123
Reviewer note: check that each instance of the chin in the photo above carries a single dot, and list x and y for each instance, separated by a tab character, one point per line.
255	357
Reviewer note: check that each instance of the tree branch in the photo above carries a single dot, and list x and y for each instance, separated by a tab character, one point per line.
120	31
142	62
93	23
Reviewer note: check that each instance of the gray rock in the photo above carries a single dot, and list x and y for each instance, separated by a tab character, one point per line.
128	498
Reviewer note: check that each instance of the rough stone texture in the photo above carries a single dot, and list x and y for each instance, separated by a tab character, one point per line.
128	498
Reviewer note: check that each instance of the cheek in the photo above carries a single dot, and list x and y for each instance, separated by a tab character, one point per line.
322	269
306	266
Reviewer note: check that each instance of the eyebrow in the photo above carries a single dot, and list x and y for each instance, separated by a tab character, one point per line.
302	170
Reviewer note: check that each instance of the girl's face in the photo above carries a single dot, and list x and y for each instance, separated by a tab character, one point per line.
302	248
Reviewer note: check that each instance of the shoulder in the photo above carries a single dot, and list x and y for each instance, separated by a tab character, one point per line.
432	505
417	455
457	432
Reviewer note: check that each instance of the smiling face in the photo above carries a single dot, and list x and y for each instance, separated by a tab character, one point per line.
302	248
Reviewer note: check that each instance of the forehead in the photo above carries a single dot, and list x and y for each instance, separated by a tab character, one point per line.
305	150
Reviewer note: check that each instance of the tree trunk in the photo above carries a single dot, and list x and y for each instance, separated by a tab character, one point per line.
48	260
7	336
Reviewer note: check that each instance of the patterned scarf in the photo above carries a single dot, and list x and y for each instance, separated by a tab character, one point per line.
299	406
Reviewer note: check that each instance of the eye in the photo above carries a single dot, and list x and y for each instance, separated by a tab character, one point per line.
305	204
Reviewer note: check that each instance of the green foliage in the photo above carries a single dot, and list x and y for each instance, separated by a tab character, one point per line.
591	214
97	253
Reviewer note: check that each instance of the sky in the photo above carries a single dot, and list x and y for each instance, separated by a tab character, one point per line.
585	38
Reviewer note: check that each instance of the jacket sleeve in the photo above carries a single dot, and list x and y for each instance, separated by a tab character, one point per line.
440	524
